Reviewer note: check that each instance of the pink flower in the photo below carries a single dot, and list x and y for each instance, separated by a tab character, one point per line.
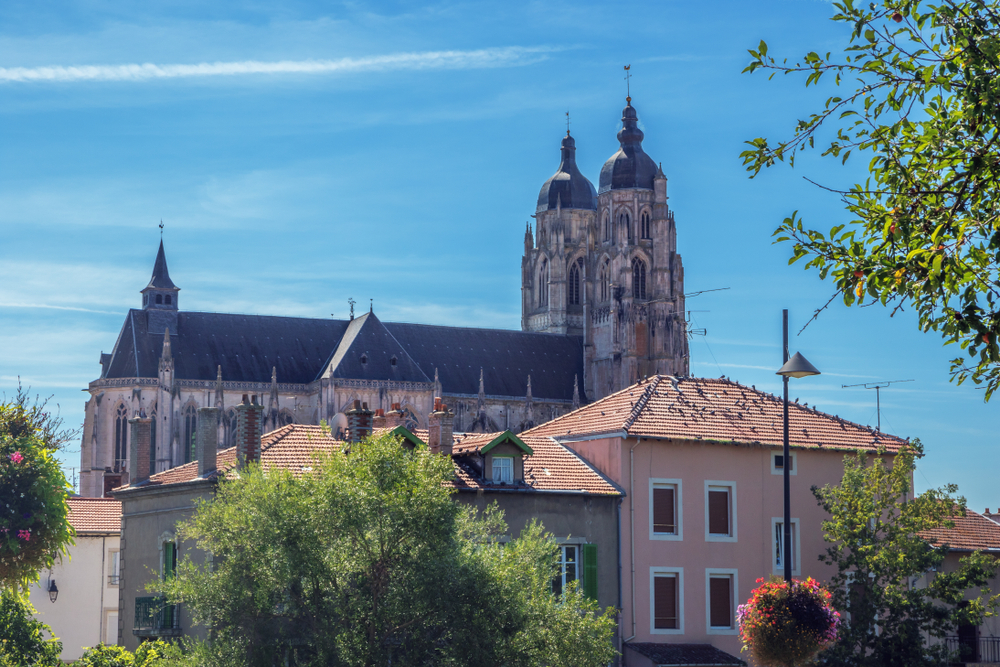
24	535
16	457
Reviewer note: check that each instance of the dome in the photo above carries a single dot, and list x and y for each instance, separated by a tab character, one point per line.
568	185
630	167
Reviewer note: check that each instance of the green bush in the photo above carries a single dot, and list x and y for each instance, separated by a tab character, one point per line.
147	655
22	636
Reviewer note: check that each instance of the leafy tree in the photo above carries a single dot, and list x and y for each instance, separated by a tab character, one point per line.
875	534
22	637
34	529
367	560
918	93
149	654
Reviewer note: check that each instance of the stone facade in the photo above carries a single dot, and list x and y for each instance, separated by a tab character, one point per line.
606	267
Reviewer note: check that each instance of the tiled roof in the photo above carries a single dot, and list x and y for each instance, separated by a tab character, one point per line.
713	410
972	532
704	655
552	467
95	515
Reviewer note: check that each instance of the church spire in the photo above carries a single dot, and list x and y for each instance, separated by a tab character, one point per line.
161	276
161	292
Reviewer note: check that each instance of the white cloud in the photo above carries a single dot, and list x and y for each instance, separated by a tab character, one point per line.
508	56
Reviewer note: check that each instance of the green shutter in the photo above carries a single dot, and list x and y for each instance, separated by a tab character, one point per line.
590	571
169	559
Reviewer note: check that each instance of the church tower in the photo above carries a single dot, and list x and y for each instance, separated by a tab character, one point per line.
604	265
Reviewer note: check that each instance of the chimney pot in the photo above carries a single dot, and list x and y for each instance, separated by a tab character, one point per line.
207	440
359	422
139	449
440	427
249	417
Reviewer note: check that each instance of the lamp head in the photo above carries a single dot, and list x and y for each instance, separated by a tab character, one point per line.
797	367
53	590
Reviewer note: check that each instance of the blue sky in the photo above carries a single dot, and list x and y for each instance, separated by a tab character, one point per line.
302	153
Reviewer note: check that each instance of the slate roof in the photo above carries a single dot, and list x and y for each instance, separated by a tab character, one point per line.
161	276
248	346
552	467
94	515
972	532
720	410
664	655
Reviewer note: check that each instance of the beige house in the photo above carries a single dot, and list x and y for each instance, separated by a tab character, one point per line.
78	597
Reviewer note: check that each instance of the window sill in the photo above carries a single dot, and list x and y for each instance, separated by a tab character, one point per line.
667	537
723	631
720	538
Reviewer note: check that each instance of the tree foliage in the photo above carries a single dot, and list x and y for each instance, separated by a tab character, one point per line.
367	560
875	531
34	529
149	654
918	94
23	641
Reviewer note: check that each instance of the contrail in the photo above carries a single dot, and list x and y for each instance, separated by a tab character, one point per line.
482	58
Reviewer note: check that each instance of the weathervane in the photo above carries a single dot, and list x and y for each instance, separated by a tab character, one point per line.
161	229
567	123
628	89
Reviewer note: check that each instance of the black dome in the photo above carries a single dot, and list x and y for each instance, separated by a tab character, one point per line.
630	167
568	185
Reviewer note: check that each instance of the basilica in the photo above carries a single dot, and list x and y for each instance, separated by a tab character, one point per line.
602	306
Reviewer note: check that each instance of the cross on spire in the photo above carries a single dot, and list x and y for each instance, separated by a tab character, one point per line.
161	229
628	88
567	123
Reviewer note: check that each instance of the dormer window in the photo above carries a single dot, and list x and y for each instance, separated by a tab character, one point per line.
503	469
393	360
364	358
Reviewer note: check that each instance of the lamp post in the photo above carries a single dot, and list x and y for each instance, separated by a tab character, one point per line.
796	367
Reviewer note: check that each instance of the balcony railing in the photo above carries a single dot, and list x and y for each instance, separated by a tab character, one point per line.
154	618
113	579
979	650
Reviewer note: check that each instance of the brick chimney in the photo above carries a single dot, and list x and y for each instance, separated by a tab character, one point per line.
395	417
206	442
440	424
249	418
378	421
359	422
139	445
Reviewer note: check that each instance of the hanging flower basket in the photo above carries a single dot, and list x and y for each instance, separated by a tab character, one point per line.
784	624
33	509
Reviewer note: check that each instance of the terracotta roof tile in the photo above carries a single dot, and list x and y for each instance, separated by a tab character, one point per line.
713	410
972	532
95	515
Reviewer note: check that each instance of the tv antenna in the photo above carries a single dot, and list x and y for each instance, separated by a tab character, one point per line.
690	295
695	332
878	387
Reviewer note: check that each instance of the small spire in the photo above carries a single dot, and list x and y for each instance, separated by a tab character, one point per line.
436	380
576	393
166	344
481	400
161	276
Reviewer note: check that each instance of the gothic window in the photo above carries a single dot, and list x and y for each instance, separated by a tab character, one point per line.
638	278
574	282
644	225
543	284
605	279
625	222
121	436
285	418
159	298
607	226
190	432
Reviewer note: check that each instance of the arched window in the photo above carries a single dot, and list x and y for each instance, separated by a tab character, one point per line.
607	226
168	300
625	222
285	418
605	279
121	436
190	432
574	282
159	298
638	278
644	225
543	284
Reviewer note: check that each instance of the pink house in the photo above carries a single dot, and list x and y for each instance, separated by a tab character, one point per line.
701	465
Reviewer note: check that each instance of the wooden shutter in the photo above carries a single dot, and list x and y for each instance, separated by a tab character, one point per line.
663	510
665	602
169	559
718	512
720	601
590	571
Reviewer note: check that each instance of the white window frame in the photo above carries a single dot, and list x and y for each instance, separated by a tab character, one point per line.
796	551
679	573
562	562
733	535
734	597
510	461
779	471
661	482
114	554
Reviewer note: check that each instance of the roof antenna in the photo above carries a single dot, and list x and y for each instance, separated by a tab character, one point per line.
567	123
628	88
878	387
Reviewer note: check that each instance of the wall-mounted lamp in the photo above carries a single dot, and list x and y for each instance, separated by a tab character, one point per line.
53	591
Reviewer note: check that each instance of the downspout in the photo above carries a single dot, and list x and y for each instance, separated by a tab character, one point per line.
631	510
618	522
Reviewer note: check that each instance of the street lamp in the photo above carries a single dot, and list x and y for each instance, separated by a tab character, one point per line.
796	367
53	591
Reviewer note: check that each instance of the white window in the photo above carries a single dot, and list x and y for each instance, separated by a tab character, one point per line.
665	510
111	627
114	568
569	563
721	593
503	469
720	511
778	463
778	545
666	600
